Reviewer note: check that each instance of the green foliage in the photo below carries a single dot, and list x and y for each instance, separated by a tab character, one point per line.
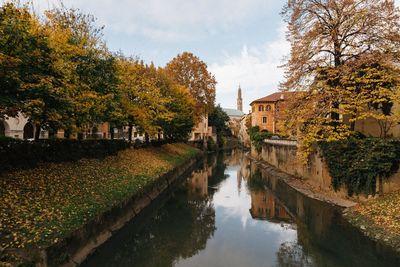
211	145
59	73
24	154
358	163
257	138
256	182
219	119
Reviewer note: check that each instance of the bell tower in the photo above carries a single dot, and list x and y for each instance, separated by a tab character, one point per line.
239	99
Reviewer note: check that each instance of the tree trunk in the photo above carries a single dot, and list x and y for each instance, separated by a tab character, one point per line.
112	133
37	132
380	186
147	138
67	134
130	131
352	124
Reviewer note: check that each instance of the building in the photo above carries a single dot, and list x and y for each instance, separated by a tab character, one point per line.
235	115
264	206
240	100
243	136
19	128
202	131
267	111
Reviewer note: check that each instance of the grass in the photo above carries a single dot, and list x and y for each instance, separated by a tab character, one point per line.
38	207
379	219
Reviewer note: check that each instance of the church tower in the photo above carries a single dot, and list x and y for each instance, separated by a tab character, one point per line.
239	99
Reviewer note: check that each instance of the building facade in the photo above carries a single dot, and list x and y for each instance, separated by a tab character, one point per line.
267	111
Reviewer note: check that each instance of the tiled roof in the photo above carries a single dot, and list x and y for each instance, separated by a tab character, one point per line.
233	112
274	97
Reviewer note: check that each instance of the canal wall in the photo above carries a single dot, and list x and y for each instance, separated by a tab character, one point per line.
77	246
282	154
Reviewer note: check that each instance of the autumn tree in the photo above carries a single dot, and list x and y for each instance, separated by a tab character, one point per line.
328	39
181	106
90	70
142	101
31	82
189	71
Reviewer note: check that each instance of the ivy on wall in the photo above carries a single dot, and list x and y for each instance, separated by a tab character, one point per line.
257	138
358	163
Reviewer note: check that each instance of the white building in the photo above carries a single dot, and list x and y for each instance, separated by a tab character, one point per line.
19	128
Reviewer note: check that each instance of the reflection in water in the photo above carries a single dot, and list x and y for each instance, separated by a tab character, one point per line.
231	213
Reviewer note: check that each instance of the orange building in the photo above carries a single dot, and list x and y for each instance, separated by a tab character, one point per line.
266	111
264	206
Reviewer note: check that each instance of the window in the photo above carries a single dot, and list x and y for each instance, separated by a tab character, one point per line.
264	120
261	108
268	108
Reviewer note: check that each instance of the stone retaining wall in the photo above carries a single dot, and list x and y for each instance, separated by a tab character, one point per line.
282	155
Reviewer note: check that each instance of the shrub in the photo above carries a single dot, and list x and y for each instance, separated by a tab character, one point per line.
16	153
257	138
357	163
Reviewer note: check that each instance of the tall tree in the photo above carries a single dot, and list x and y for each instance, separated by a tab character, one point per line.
181	107
328	38
32	82
91	71
219	119
189	71
142	101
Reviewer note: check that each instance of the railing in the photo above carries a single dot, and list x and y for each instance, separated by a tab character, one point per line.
281	142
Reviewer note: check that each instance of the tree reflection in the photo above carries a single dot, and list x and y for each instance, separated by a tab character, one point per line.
291	254
178	230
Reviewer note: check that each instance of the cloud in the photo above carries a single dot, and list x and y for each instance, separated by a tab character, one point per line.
256	69
172	20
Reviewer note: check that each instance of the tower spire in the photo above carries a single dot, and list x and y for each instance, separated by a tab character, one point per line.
239	99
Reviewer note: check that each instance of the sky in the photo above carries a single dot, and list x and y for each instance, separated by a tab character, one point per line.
241	41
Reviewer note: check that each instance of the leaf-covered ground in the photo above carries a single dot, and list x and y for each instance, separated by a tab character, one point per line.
42	205
379	219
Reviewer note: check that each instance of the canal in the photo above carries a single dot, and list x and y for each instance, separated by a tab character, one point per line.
231	213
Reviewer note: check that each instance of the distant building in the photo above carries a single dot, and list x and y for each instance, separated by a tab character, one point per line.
264	206
235	115
240	100
202	131
267	111
244	137
19	128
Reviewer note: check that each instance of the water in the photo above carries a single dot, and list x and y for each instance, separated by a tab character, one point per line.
231	213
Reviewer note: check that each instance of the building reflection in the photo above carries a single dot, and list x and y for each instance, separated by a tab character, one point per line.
265	206
199	181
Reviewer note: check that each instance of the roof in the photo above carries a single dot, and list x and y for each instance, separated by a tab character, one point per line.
275	97
233	112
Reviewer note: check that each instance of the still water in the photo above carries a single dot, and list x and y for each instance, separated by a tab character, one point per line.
231	213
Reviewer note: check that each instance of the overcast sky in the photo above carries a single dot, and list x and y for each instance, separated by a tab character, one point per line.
242	41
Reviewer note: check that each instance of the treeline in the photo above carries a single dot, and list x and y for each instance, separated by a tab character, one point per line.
56	69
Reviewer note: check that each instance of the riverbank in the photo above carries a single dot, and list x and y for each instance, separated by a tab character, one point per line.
303	187
42	206
379	219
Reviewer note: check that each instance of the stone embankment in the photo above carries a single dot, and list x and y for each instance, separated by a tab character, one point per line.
58	214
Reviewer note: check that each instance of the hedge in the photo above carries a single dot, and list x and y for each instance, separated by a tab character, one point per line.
16	154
